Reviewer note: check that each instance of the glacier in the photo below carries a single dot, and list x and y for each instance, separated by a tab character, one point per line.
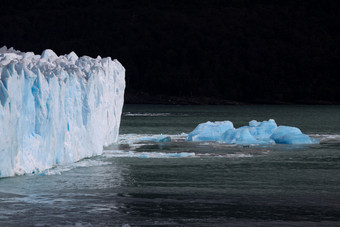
56	109
265	132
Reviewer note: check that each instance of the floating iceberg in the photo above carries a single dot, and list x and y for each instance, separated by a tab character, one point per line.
56	109
266	132
262	130
242	136
255	133
291	135
158	139
210	131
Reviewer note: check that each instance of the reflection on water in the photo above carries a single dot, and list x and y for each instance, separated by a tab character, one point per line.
179	183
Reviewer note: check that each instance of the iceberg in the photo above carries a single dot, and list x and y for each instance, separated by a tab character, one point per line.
266	132
262	130
255	133
210	131
159	139
291	135
56	109
242	136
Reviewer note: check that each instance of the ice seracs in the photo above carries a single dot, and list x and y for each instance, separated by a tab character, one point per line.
266	132
56	109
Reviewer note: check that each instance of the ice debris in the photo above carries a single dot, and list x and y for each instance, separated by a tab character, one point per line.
158	139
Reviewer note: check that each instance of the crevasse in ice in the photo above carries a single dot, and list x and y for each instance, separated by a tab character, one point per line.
266	132
56	109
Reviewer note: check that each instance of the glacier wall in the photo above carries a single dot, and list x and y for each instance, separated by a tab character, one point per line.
56	109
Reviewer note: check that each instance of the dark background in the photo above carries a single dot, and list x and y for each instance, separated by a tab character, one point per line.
193	51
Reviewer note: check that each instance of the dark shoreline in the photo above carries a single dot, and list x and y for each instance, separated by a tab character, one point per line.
144	98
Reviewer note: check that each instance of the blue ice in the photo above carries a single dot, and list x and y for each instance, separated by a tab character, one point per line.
242	136
265	132
158	139
210	131
291	135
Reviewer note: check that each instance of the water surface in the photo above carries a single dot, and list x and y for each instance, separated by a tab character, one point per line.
179	183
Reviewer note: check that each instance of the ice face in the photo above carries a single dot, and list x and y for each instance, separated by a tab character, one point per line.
56	109
266	132
210	131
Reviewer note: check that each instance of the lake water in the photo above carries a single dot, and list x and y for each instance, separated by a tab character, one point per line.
186	183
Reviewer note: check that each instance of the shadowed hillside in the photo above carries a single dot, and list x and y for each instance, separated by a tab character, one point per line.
192	51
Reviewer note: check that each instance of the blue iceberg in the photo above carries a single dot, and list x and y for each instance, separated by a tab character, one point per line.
242	136
291	135
210	131
158	139
56	109
262	130
266	132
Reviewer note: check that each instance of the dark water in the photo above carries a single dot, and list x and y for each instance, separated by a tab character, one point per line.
181	183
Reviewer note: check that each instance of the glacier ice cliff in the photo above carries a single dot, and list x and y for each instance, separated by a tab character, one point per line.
266	132
56	109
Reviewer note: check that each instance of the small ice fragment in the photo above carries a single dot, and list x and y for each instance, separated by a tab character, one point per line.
159	139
